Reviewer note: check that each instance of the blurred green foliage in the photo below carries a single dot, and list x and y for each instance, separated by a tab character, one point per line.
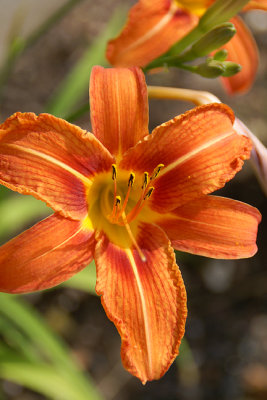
33	356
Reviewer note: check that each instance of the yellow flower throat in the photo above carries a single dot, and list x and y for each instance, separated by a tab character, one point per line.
196	7
114	202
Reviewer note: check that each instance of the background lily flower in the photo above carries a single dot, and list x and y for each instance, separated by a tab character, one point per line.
153	26
124	197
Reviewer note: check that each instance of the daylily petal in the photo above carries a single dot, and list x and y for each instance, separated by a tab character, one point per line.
256	4
50	159
214	227
200	152
243	50
145	300
45	255
119	107
152	28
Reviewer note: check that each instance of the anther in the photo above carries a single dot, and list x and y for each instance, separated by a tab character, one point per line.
156	171
130	184
145	182
149	192
114	171
118	201
131	179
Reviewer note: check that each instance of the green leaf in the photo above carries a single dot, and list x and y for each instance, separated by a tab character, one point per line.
31	323
40	377
18	210
17	340
75	86
84	280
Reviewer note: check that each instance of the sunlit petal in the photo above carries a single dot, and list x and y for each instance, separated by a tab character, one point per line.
119	107
145	300
152	28
51	159
200	152
45	255
214	227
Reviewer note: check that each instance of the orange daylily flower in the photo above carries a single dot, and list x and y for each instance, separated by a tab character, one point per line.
124	197
153	26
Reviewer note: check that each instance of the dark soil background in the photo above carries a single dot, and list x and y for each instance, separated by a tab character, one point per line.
227	300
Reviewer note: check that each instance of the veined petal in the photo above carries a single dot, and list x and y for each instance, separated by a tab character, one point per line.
45	255
151	29
145	300
50	159
256	4
200	152
119	107
214	227
243	50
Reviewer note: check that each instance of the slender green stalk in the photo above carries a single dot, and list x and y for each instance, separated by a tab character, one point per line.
79	112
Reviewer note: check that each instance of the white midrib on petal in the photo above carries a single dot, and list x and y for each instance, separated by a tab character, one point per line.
194	152
52	160
152	32
144	308
59	245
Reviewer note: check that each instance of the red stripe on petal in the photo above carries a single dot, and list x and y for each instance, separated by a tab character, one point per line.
51	159
119	107
145	300
214	227
45	255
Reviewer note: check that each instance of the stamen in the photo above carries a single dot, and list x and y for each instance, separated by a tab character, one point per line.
149	192
114	171
127	226
130	185
145	182
114	177
131	179
139	205
156	171
117	202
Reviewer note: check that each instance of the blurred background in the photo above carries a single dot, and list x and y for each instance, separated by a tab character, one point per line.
59	343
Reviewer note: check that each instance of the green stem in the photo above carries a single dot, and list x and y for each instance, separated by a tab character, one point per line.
223	10
176	49
78	113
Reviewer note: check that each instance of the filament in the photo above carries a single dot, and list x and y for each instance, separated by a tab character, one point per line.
130	185
127	226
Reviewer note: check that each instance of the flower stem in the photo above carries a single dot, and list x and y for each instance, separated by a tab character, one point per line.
194	96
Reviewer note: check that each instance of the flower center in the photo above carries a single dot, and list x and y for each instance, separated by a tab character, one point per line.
116	199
